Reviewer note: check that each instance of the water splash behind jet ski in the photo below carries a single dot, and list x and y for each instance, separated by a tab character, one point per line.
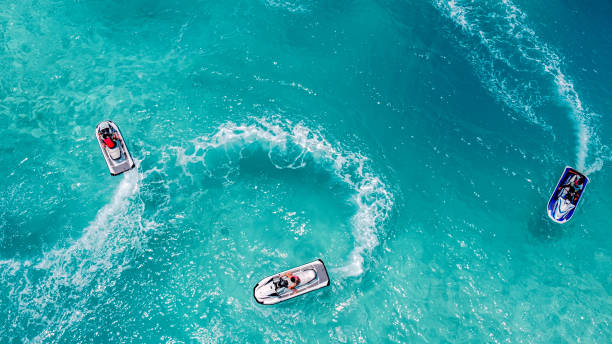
291	283
567	194
114	149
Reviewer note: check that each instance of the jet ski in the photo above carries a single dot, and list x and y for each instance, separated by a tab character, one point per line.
113	148
291	283
566	195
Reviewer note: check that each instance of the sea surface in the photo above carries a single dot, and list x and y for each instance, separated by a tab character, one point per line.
410	145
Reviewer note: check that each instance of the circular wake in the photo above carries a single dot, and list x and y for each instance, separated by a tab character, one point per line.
294	146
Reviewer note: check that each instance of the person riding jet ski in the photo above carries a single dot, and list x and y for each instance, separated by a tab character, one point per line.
108	137
113	148
290	281
574	187
566	195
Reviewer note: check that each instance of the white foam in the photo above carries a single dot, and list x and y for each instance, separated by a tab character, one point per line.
508	46
489	58
291	6
288	146
70	275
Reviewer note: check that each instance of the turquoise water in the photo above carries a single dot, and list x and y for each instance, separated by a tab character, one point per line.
411	145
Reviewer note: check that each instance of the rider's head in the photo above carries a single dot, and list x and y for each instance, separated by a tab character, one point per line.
105	128
579	181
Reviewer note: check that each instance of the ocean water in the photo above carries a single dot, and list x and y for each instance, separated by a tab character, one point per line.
411	145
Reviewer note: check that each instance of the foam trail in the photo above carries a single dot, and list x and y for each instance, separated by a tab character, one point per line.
69	276
508	47
289	146
291	6
583	121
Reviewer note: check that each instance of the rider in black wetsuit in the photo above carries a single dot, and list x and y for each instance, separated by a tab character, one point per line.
573	189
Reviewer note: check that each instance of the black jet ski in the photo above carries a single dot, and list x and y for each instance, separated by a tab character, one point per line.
113	148
566	195
291	283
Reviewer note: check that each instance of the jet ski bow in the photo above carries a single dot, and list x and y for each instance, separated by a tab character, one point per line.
114	149
566	195
291	283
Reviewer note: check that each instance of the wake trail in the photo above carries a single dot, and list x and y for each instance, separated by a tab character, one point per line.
50	294
291	146
505	51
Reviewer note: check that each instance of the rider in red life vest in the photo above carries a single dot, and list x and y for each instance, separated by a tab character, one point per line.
110	143
108	138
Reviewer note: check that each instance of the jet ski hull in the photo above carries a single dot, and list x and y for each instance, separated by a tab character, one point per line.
560	209
118	161
313	276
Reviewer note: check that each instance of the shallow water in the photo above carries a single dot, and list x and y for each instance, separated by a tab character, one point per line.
410	145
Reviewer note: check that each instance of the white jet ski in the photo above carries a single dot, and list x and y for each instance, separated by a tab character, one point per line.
113	148
291	283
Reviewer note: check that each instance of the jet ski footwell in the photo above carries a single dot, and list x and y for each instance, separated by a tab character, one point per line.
313	276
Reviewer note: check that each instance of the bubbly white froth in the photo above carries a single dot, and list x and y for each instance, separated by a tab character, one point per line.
288	146
512	45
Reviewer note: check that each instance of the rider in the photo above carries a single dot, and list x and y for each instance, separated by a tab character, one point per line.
108	137
295	280
574	188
